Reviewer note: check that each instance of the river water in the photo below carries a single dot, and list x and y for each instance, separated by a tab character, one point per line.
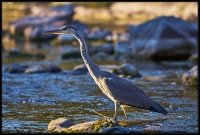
31	101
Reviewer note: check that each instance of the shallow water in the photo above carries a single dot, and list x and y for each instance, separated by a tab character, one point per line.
31	101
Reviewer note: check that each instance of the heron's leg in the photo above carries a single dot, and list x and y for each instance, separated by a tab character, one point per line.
123	108
115	116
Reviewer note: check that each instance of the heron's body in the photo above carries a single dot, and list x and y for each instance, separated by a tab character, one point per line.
121	91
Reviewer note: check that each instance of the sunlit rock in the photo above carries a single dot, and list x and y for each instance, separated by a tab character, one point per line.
190	78
57	124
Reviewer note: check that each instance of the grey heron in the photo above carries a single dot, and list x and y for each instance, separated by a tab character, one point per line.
120	90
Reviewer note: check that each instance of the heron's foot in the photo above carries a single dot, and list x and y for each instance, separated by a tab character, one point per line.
112	120
126	116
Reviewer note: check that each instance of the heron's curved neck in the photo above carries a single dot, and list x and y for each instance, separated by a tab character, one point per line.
91	66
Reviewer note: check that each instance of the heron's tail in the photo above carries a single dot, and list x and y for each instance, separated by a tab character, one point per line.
158	108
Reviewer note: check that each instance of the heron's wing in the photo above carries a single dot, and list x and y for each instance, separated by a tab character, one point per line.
127	93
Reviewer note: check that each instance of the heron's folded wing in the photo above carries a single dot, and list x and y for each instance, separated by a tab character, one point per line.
124	93
127	93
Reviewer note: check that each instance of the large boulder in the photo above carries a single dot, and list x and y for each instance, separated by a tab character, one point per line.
121	47
33	24
106	48
164	38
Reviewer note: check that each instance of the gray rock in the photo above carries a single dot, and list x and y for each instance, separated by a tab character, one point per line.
115	129
163	38
190	78
122	48
16	68
105	48
58	15
98	34
42	69
121	44
57	124
194	57
127	70
84	127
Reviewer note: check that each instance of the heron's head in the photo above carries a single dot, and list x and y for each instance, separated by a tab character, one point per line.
68	29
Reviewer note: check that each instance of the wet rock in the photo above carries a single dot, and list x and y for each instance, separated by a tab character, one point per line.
16	68
51	16
90	127
42	69
127	70
164	38
57	124
116	129
80	69
106	48
98	34
190	78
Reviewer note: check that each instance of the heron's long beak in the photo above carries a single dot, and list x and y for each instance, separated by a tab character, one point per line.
57	31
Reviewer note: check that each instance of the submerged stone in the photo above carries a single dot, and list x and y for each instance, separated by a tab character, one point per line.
43	69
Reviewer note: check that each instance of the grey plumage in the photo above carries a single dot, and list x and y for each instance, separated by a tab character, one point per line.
121	91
